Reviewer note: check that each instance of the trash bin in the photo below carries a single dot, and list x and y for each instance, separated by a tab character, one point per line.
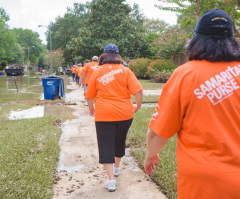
51	86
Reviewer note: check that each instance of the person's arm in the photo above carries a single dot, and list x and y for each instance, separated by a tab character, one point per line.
154	144
84	77
91	106
80	80
138	96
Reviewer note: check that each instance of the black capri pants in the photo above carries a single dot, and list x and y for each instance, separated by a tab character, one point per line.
111	137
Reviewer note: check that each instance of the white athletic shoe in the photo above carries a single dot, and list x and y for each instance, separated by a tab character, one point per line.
85	103
116	171
110	185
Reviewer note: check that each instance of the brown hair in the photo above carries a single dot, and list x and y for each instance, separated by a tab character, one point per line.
111	58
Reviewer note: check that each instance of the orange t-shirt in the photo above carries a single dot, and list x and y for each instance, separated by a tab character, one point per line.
201	103
73	70
82	71
112	85
89	68
79	70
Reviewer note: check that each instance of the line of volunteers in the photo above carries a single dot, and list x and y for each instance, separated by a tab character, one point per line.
208	146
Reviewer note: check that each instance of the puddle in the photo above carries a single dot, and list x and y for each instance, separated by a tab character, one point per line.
23	111
26	87
34	112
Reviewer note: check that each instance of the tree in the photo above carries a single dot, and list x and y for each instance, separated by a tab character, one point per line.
155	26
170	45
190	8
57	59
27	39
66	28
110	21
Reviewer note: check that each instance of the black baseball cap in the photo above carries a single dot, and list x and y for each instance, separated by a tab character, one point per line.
214	22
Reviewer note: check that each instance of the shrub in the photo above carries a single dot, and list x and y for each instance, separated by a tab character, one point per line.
161	77
3	64
140	67
160	66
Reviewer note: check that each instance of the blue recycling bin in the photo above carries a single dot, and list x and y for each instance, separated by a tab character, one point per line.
51	86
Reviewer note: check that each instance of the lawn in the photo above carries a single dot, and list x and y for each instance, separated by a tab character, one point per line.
166	174
29	153
149	85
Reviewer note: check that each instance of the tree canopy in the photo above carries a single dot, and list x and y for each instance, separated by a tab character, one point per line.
110	21
190	8
14	43
65	28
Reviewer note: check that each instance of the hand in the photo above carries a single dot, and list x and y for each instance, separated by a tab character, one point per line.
92	112
135	108
150	163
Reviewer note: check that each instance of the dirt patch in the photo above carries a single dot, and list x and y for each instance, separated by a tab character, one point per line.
41	102
79	175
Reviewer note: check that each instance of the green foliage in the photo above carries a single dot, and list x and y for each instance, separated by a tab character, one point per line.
3	19
65	28
170	45
27	39
14	43
155	26
190	8
57	59
110	21
140	67
29	153
160	66
3	63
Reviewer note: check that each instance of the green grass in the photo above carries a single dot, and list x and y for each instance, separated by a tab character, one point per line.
147	99
29	152
165	175
149	85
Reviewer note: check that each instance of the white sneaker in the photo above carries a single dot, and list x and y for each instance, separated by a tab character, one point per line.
116	171
85	103
110	185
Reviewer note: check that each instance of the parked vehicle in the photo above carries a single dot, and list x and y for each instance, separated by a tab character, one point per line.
14	70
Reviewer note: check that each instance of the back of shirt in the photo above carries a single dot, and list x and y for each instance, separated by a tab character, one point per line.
89	68
201	103
113	85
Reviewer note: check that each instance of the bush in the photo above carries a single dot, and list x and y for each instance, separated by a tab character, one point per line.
161	77
160	66
140	67
3	64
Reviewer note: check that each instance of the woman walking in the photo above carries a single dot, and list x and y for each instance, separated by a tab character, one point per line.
112	85
201	104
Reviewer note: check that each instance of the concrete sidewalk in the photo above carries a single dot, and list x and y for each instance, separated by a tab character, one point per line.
79	175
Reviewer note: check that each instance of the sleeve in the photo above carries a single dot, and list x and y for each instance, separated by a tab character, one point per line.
86	67
92	89
167	118
82	71
132	82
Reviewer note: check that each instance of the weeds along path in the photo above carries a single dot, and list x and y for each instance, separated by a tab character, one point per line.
79	175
